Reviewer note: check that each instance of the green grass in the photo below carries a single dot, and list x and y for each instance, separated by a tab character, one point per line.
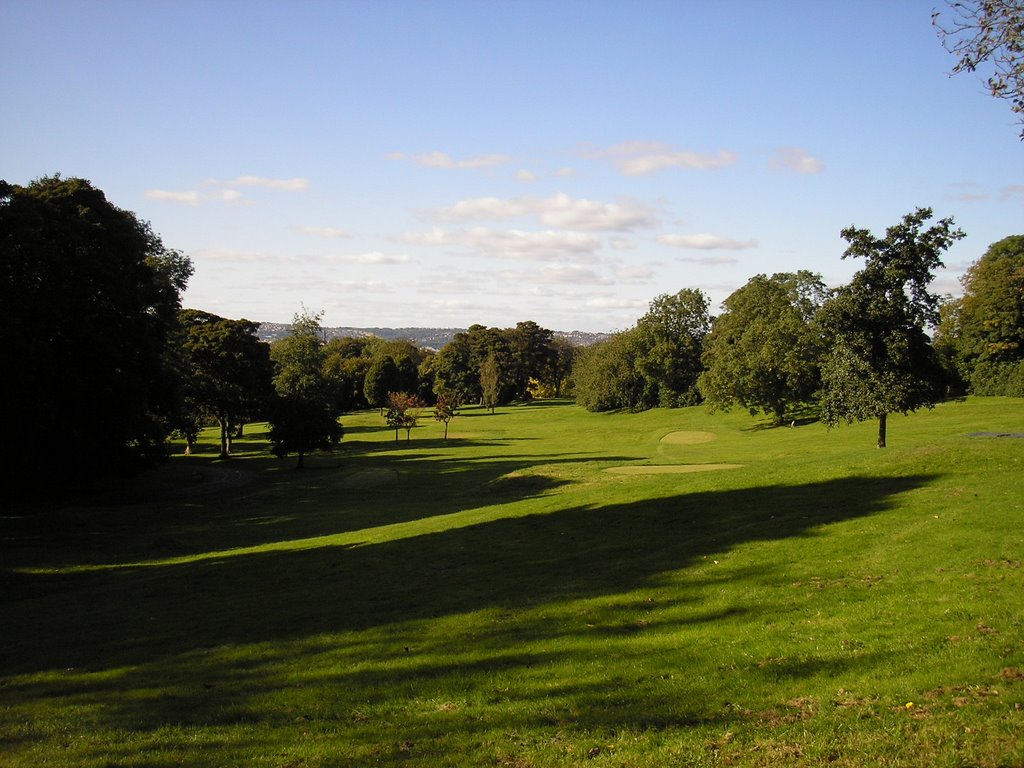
500	599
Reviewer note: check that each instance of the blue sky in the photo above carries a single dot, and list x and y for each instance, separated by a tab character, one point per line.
448	163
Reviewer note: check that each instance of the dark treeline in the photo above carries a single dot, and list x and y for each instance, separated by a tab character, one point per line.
109	364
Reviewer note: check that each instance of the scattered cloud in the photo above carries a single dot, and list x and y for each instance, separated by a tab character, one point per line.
444	160
226	191
190	197
226	255
795	160
526	176
513	243
330	232
634	274
710	261
641	158
373	257
556	274
561	211
610	301
622	244
564	173
706	242
1011	192
362	286
286	185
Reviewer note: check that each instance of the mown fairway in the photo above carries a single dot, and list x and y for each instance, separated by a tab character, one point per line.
501	599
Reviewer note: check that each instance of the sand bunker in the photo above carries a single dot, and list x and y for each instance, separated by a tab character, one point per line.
688	438
670	469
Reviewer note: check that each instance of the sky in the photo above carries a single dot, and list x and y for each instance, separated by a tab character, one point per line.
440	164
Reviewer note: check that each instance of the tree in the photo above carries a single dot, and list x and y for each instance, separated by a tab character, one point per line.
533	356
304	416
763	350
605	375
446	408
90	297
670	341
228	372
881	360
490	383
988	33
983	331
403	412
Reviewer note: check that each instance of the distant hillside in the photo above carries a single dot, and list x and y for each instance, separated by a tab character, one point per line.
432	338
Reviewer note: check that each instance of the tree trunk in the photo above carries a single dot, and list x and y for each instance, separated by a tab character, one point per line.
225	446
302	462
881	431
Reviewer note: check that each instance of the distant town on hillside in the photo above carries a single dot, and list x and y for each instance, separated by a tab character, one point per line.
431	338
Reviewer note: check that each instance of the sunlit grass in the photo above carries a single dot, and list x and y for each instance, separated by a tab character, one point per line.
501	599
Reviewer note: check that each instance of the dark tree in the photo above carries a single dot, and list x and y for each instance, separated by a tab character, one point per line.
228	370
90	296
304	416
880	359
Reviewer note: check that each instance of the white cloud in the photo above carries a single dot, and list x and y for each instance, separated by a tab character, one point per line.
640	158
526	176
555	274
607	301
795	159
634	274
227	255
560	210
190	197
711	261
444	160
512	243
564	173
1011	192
286	185
706	242
331	232
362	286
373	257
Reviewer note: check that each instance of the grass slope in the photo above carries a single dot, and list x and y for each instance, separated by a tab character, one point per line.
500	599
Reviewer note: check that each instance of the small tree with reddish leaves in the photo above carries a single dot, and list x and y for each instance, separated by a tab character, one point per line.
446	408
403	412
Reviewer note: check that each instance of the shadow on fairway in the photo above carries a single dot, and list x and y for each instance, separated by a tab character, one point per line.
141	615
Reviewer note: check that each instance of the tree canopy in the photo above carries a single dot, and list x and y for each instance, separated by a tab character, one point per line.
763	350
90	296
227	369
983	331
880	358
304	415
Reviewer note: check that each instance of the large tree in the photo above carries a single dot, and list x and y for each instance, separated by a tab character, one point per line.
880	358
304	415
227	369
670	341
983	331
90	296
988	35
605	375
763	350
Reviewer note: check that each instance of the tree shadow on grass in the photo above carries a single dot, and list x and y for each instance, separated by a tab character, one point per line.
139	614
213	643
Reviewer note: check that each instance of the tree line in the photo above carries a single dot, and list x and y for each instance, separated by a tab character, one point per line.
108	363
784	345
